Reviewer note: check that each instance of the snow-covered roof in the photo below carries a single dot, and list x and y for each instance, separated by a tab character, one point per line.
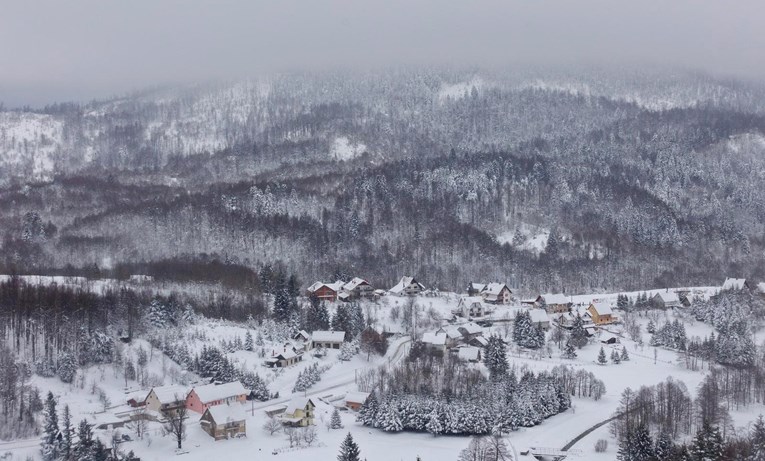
451	332
554	298
328	336
761	287
476	286
172	393
468	353
404	283
538	315
471	328
211	392
336	286
494	289
286	354
297	403
356	397
481	340
434	338
602	307
303	334
668	297
228	413
356	281
470	300
733	284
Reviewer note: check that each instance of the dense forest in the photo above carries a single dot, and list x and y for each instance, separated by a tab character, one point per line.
550	180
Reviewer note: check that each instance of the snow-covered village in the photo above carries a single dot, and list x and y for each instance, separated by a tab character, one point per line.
382	230
405	372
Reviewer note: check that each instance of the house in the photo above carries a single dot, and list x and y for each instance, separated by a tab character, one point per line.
666	300
540	318
354	400
299	412
496	293
610	339
473	289
164	399
224	421
283	359
407	286
470	306
735	284
469	354
275	410
601	313
553	303
435	342
302	336
203	397
470	331
566	320
359	288
325	291
453	335
328	339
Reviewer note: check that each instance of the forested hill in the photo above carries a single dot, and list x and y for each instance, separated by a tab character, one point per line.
553	181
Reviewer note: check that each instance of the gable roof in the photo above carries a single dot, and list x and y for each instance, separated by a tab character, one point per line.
480	340
335	286
733	284
356	281
554	298
212	392
668	297
476	286
602	307
286	354
451	332
405	282
297	403
538	315
470	300
328	336
227	413
471	328
357	397
172	393
434	338
494	289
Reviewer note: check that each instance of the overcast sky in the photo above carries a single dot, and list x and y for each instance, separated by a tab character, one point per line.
60	50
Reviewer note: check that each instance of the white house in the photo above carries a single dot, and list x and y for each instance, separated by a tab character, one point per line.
553	303
435	342
470	306
453	335
469	354
328	339
407	286
666	300
496	293
358	288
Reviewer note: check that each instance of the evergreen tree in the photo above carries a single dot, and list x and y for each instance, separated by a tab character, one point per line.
67	367
625	356
248	346
84	449
665	449
282	301
335	422
757	440
50	447
570	351
708	444
317	315
349	450
615	357
578	334
495	358
602	356
67	433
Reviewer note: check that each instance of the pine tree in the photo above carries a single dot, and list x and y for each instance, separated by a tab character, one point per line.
757	440
248	346
67	433
67	367
434	425
50	447
651	328
602	356
625	356
349	451
495	358
570	351
335	422
615	357
665	449
578	333
708	444
642	446
84	449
